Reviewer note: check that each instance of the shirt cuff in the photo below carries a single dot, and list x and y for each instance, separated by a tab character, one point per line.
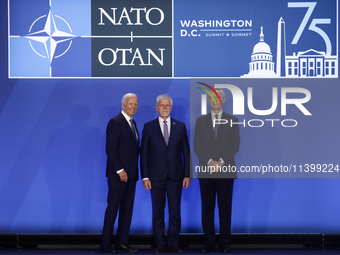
119	171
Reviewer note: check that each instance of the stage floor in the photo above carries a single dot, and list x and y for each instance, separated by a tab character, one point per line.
191	252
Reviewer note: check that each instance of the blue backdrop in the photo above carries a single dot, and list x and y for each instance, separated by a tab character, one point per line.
52	148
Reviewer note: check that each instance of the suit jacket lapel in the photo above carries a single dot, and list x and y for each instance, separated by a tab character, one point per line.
127	126
158	129
222	128
210	128
172	129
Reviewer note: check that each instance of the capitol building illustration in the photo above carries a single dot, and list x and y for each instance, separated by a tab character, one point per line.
303	64
261	64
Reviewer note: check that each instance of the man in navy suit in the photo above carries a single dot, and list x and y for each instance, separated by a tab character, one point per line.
122	149
165	169
216	146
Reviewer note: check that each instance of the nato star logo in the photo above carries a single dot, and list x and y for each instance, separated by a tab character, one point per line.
50	37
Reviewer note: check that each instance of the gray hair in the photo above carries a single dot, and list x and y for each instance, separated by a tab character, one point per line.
220	92
163	96
128	95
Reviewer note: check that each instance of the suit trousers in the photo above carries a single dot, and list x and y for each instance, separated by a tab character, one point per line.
121	197
223	188
173	191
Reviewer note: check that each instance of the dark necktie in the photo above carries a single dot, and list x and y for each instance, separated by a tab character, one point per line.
166	133
216	126
134	130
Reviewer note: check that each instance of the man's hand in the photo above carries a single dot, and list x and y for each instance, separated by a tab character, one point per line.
123	176
147	184
186	182
220	163
214	165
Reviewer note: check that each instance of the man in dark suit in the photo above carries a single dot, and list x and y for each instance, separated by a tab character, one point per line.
122	149
215	145
165	169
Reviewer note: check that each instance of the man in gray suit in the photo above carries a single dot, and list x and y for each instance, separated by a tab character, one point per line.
216	145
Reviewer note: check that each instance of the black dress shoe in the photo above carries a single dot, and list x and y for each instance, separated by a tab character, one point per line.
208	248
125	248
106	249
174	249
224	248
159	249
